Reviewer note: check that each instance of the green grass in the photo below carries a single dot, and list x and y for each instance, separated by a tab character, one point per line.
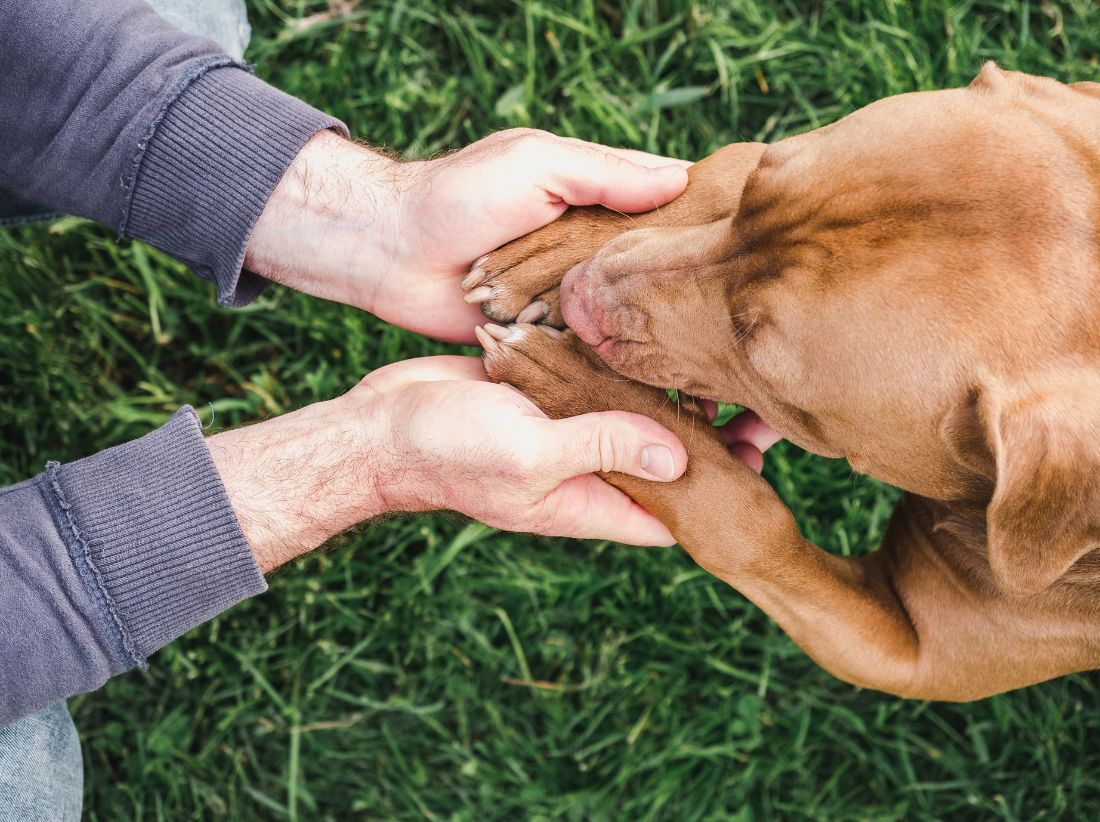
391	676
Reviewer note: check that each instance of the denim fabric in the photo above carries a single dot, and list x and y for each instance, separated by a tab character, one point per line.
223	21
41	772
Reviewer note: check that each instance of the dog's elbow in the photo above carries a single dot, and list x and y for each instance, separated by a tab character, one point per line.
938	690
912	682
936	694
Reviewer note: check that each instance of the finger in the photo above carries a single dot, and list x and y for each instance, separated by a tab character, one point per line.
748	454
612	441
426	369
586	507
642	158
747	427
585	174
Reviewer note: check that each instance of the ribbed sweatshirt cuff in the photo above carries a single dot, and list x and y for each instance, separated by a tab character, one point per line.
208	169
151	531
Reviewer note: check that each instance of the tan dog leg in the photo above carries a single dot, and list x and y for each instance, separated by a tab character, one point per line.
520	280
908	619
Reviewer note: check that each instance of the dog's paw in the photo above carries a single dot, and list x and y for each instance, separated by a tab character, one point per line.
519	281
562	375
514	283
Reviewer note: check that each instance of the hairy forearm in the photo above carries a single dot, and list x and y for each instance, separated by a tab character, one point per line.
329	228
297	480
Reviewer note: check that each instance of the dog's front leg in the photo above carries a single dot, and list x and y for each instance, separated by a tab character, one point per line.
728	518
908	619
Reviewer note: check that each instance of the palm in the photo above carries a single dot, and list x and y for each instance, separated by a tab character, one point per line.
453	230
487	432
461	207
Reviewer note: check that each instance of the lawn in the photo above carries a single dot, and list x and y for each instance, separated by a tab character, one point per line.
432	668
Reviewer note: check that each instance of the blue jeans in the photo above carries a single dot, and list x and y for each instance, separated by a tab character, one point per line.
41	773
41	769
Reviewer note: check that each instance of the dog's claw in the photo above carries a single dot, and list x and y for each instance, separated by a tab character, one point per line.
483	337
479	295
550	331
533	313
476	275
497	332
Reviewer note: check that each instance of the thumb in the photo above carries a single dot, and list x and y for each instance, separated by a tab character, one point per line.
614	441
589	174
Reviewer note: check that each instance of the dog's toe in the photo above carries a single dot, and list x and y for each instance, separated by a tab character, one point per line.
512	288
533	312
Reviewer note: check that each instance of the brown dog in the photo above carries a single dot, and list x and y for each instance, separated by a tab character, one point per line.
915	288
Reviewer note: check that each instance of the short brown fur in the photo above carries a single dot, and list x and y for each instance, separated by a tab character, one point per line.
915	288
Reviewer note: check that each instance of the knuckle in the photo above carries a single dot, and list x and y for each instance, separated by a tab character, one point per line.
517	144
600	449
608	451
617	163
536	134
619	169
529	139
527	462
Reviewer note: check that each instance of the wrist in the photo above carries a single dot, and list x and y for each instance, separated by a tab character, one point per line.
297	480
330	226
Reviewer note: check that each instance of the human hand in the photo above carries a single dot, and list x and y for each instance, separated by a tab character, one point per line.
395	238
746	435
435	434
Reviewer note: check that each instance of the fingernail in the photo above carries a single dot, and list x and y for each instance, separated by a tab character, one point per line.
668	171
657	461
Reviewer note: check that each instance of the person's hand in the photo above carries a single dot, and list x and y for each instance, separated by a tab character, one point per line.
395	238
434	434
746	435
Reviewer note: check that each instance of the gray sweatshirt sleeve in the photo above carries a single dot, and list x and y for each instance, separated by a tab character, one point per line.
107	559
109	112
